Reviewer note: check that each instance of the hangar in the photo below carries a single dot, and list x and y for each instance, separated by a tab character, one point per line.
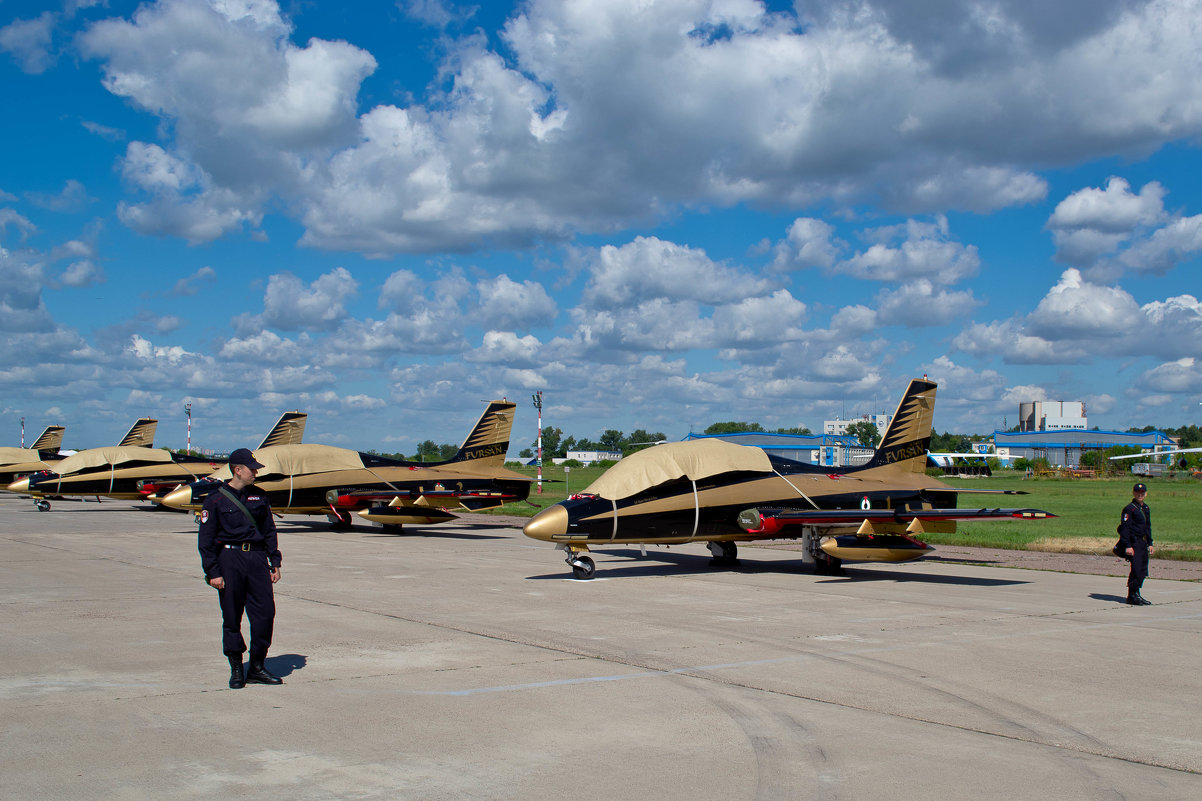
828	450
1063	448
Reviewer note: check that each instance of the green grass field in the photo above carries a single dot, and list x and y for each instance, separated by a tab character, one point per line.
1087	511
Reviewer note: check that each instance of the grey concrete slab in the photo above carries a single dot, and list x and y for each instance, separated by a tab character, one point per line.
464	662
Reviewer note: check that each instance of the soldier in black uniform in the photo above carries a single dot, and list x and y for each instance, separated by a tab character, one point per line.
241	559
1135	539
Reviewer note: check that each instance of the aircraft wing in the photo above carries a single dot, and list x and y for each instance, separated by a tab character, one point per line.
1154	454
770	521
470	499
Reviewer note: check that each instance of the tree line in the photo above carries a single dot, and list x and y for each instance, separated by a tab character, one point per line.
556	445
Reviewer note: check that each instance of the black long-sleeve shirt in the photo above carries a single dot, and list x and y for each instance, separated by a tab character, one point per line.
1135	527
221	522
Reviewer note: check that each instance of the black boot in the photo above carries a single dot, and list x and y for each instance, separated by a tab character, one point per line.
1141	600
257	674
1132	599
237	680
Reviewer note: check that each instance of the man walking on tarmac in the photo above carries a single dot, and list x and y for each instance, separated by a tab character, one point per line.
241	559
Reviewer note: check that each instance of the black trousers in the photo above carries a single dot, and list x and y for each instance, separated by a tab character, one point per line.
247	587
1139	568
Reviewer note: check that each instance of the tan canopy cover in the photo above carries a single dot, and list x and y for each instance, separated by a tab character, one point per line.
695	460
13	455
112	454
292	460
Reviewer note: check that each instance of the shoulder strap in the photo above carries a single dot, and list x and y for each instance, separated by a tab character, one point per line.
224	490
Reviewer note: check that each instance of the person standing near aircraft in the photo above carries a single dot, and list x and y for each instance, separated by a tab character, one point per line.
1135	539
241	559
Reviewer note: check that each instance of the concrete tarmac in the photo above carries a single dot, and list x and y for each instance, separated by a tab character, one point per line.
463	662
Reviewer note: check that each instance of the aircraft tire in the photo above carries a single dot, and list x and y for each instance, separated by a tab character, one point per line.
828	567
583	567
42	506
726	554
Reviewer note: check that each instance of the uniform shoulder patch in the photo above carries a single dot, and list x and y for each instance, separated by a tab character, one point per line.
204	516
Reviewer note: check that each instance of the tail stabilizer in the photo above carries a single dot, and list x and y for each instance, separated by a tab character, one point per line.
908	436
49	440
288	430
140	434
489	439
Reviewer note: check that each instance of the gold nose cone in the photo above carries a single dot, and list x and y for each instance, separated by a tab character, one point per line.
178	498
549	523
20	485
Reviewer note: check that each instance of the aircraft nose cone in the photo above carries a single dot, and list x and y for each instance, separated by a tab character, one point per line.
20	485
547	524
178	498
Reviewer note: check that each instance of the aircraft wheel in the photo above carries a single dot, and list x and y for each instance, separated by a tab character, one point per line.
583	567
341	523
829	567
42	505
725	554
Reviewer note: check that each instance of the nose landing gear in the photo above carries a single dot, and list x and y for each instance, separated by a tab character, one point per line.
582	565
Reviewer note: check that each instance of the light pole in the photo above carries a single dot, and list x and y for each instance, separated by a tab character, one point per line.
537	397
22	432
188	412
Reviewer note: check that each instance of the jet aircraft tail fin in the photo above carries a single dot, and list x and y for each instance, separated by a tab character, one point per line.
288	430
908	436
489	439
140	434
49	440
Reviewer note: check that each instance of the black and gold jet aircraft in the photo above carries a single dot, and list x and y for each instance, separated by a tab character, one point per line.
140	434
336	482
719	493
133	469
38	456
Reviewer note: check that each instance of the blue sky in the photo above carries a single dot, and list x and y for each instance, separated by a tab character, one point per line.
662	215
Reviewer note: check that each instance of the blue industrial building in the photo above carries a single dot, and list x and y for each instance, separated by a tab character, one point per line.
1063	448
827	450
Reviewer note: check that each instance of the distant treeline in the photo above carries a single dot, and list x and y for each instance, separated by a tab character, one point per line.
556	445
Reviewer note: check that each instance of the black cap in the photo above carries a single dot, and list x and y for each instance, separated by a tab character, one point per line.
244	456
1139	488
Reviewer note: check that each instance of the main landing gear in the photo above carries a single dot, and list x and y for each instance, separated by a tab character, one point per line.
339	521
726	554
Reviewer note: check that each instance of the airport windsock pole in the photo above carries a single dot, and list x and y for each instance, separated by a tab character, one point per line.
538	404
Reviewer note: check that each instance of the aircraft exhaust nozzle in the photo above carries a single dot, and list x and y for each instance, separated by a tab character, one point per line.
20	485
548	524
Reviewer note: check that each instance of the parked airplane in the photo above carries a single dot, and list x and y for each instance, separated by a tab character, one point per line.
962	465
40	455
716	492
122	471
324	480
140	434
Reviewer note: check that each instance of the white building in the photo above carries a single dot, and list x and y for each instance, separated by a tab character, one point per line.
839	427
588	457
1052	416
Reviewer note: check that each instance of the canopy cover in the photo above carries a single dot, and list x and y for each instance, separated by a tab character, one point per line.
695	460
294	460
112	454
13	455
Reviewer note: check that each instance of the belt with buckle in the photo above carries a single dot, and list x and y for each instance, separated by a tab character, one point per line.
244	546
